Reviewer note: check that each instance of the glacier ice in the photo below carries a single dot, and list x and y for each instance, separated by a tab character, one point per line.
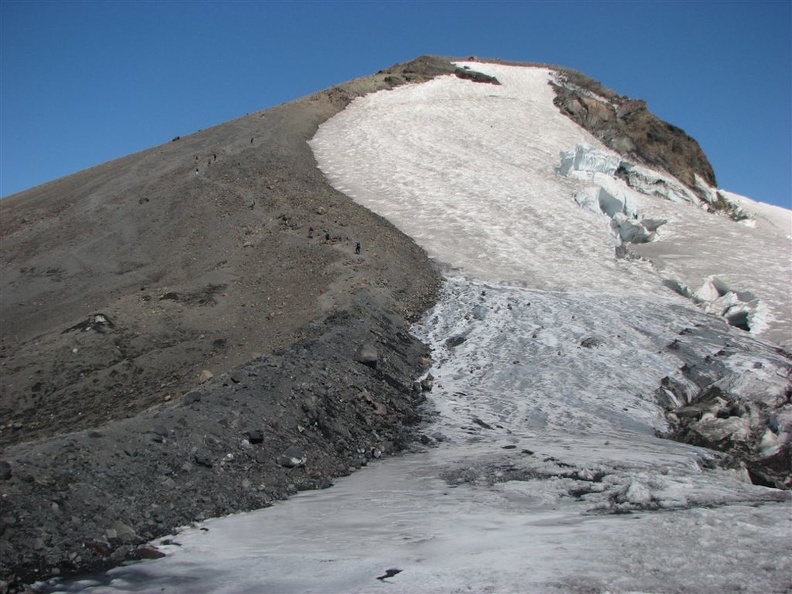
652	183
587	159
625	222
584	161
741	309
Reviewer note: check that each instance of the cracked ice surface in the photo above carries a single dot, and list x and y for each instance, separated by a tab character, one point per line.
546	423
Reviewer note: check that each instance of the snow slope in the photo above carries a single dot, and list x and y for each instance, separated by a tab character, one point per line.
544	471
469	171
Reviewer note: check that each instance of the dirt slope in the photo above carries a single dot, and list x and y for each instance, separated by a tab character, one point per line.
198	256
123	285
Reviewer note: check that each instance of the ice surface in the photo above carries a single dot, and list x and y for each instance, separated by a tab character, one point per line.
661	185
584	158
546	473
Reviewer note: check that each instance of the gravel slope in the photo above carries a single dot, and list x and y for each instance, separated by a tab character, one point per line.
127	286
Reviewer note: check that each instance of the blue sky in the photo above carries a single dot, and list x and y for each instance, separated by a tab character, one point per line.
82	83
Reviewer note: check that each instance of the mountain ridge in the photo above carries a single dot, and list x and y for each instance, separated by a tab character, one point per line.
128	285
189	257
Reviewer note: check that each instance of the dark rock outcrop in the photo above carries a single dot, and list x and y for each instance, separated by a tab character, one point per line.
714	402
305	415
629	128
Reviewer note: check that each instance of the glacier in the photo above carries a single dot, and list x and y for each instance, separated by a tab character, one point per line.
565	343
586	158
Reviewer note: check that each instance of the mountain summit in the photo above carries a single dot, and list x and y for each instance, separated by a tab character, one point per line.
211	324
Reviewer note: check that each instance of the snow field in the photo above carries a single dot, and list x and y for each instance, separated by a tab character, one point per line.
469	171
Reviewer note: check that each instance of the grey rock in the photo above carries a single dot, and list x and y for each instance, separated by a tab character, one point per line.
292	457
476	76
455	341
5	470
255	436
479	312
124	532
427	383
192	396
367	354
202	459
160	430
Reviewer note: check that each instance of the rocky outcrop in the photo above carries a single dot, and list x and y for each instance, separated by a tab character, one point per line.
426	68
285	422
732	394
629	128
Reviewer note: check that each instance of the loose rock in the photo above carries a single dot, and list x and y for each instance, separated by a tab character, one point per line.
292	457
367	354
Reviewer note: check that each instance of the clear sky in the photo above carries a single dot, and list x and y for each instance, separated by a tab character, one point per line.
82	83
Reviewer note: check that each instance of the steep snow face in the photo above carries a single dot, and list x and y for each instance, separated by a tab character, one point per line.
473	172
469	171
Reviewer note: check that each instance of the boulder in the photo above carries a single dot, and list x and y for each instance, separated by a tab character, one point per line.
255	436
367	354
292	457
427	383
455	341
